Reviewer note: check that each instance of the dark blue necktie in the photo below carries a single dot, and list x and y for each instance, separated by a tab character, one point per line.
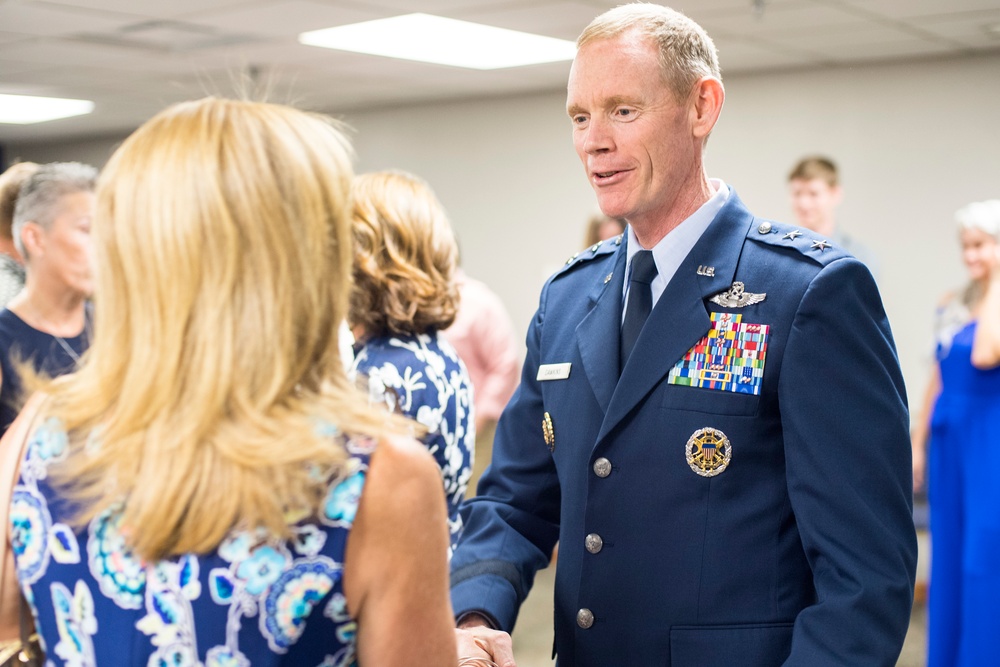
640	302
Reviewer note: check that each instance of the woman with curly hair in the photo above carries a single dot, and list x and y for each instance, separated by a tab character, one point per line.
404	295
209	488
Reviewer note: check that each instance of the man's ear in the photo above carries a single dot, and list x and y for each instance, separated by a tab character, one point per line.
708	97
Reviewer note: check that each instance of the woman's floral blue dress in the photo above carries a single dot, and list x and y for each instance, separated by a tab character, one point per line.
255	601
429	384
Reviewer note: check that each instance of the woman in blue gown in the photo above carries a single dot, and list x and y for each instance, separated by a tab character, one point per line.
963	456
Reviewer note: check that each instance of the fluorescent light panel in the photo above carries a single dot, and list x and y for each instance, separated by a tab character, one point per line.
27	109
443	41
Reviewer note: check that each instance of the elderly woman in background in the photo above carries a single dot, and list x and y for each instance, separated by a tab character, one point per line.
187	496
404	295
46	324
961	422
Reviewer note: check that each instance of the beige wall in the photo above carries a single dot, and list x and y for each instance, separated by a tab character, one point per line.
915	141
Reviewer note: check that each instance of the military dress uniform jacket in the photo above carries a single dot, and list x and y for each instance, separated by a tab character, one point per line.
800	551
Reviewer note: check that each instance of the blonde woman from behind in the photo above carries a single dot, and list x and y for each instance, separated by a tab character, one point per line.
208	489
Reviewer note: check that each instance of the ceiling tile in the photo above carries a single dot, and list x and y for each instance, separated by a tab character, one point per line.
565	20
737	55
743	10
439	6
159	9
970	29
62	51
870	43
9	67
901	9
42	50
282	18
838	42
36	18
8	37
789	17
25	82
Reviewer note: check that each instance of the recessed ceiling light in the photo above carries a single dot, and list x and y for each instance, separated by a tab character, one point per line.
443	41
27	109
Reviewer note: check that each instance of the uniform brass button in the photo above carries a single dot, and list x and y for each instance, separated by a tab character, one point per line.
594	543
602	467
765	228
584	618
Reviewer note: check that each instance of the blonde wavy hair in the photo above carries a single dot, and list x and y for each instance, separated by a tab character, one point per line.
687	53
405	257
223	266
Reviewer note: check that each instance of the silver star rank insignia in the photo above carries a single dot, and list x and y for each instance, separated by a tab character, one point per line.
819	245
792	235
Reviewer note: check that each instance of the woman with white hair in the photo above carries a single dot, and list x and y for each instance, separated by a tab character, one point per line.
45	325
958	435
208	488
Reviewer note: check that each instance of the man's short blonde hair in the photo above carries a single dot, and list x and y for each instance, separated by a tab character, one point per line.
687	53
405	256
815	167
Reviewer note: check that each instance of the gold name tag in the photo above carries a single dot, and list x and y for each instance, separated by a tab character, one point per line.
553	372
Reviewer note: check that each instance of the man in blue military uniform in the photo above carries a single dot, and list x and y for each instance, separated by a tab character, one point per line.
711	419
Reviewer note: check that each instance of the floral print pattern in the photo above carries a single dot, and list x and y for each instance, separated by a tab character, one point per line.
75	622
121	576
290	601
255	596
31	525
423	377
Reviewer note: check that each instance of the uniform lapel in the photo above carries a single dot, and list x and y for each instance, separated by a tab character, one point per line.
680	317
598	333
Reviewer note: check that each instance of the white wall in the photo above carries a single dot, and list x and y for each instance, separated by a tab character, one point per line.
915	141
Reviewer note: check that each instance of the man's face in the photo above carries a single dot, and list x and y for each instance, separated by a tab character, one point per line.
634	139
813	202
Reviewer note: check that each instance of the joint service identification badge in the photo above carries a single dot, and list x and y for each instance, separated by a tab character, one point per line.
708	452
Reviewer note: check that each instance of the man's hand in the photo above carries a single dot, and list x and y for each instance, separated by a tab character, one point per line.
476	639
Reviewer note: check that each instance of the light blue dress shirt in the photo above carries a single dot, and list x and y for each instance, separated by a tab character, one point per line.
673	248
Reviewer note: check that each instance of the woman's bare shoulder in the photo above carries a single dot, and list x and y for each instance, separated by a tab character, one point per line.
402	468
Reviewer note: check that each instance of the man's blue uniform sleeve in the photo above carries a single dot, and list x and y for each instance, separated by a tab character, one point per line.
846	442
513	522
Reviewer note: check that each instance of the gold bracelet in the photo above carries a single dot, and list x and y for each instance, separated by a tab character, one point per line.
472	661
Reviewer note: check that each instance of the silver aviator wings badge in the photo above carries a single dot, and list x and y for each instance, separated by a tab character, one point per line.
737	297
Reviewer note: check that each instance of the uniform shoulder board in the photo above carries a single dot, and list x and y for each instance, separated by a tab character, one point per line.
599	249
817	248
